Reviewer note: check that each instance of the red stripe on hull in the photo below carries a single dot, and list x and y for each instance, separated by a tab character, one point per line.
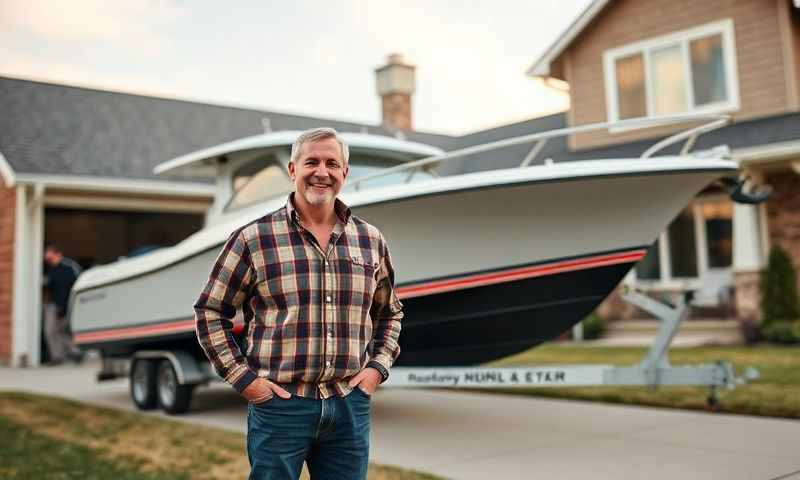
145	331
481	280
411	291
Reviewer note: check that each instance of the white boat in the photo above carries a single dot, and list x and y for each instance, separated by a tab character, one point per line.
487	264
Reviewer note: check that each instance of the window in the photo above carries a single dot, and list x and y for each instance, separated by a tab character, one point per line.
649	268
719	232
692	71
683	246
696	246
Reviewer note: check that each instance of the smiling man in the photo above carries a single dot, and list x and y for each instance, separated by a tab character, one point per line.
316	286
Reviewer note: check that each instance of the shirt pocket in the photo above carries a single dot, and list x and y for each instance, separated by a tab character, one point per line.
362	282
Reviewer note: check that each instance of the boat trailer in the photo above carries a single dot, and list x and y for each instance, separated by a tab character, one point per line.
653	370
150	379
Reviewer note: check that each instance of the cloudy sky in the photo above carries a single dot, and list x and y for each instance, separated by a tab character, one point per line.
307	57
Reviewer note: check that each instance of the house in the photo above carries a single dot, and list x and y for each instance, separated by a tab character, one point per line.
76	170
76	164
626	59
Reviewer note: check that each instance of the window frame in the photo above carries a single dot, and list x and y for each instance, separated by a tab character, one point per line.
669	282
683	39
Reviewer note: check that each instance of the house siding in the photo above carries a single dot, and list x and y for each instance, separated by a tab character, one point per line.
794	23
761	74
7	217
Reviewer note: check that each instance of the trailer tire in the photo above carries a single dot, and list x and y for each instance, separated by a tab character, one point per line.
173	397
143	384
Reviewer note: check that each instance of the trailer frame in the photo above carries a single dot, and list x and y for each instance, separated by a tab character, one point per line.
653	370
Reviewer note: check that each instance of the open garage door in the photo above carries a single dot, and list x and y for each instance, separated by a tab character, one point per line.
95	237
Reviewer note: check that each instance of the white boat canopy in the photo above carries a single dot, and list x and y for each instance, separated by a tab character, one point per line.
202	163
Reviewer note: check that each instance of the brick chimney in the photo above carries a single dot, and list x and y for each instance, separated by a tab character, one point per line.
395	85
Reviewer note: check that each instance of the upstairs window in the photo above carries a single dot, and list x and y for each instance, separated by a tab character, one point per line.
693	71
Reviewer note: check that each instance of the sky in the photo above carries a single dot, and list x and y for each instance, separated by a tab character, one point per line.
313	58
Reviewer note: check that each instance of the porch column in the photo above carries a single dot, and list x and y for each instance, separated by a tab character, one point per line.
748	260
36	259
27	288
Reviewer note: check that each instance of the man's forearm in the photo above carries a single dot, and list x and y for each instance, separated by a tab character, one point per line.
215	335
386	346
224	292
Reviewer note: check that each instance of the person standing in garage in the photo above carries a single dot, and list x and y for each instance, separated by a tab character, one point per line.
61	275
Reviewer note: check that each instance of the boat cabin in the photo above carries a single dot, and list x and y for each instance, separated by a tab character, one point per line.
254	169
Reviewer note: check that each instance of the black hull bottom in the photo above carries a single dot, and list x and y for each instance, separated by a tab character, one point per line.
477	325
464	327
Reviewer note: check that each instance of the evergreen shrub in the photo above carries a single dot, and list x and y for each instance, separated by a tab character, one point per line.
780	303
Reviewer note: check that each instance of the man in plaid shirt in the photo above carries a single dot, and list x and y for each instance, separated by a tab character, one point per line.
316	287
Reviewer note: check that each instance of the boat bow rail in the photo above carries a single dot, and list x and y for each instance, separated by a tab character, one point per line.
711	122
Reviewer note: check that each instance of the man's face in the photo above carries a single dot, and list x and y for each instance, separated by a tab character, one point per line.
319	172
52	257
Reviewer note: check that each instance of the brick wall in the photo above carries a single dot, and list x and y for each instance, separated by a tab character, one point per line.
783	213
762	79
7	204
397	111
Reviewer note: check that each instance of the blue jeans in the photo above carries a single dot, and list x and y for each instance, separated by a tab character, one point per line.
331	435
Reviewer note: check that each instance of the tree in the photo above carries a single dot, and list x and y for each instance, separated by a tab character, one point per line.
779	298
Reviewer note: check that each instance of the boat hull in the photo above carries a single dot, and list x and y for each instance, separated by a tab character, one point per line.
483	272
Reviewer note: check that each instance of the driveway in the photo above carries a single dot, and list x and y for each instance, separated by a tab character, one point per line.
464	435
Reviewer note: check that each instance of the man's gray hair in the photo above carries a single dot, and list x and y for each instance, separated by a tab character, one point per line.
315	135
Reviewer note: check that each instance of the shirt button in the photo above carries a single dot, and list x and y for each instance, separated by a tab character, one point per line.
328	299
328	363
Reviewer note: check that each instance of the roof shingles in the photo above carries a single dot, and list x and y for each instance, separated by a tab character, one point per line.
57	129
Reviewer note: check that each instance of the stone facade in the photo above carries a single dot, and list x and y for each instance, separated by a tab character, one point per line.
7	218
748	295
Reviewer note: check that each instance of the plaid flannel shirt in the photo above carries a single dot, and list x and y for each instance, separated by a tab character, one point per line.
313	319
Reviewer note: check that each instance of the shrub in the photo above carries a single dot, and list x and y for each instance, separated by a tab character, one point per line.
780	331
593	326
779	299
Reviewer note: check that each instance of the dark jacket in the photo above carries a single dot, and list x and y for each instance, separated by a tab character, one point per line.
60	279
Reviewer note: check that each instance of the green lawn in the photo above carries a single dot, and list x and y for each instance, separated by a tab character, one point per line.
776	393
49	437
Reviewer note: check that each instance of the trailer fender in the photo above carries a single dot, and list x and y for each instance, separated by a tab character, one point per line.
187	368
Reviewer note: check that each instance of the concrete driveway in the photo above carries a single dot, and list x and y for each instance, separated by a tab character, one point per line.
464	435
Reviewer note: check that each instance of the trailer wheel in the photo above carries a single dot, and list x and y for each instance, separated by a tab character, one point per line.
143	384
172	397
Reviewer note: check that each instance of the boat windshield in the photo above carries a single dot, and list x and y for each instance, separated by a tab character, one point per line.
365	165
266	178
259	180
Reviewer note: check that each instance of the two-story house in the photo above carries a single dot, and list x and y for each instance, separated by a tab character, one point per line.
627	59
